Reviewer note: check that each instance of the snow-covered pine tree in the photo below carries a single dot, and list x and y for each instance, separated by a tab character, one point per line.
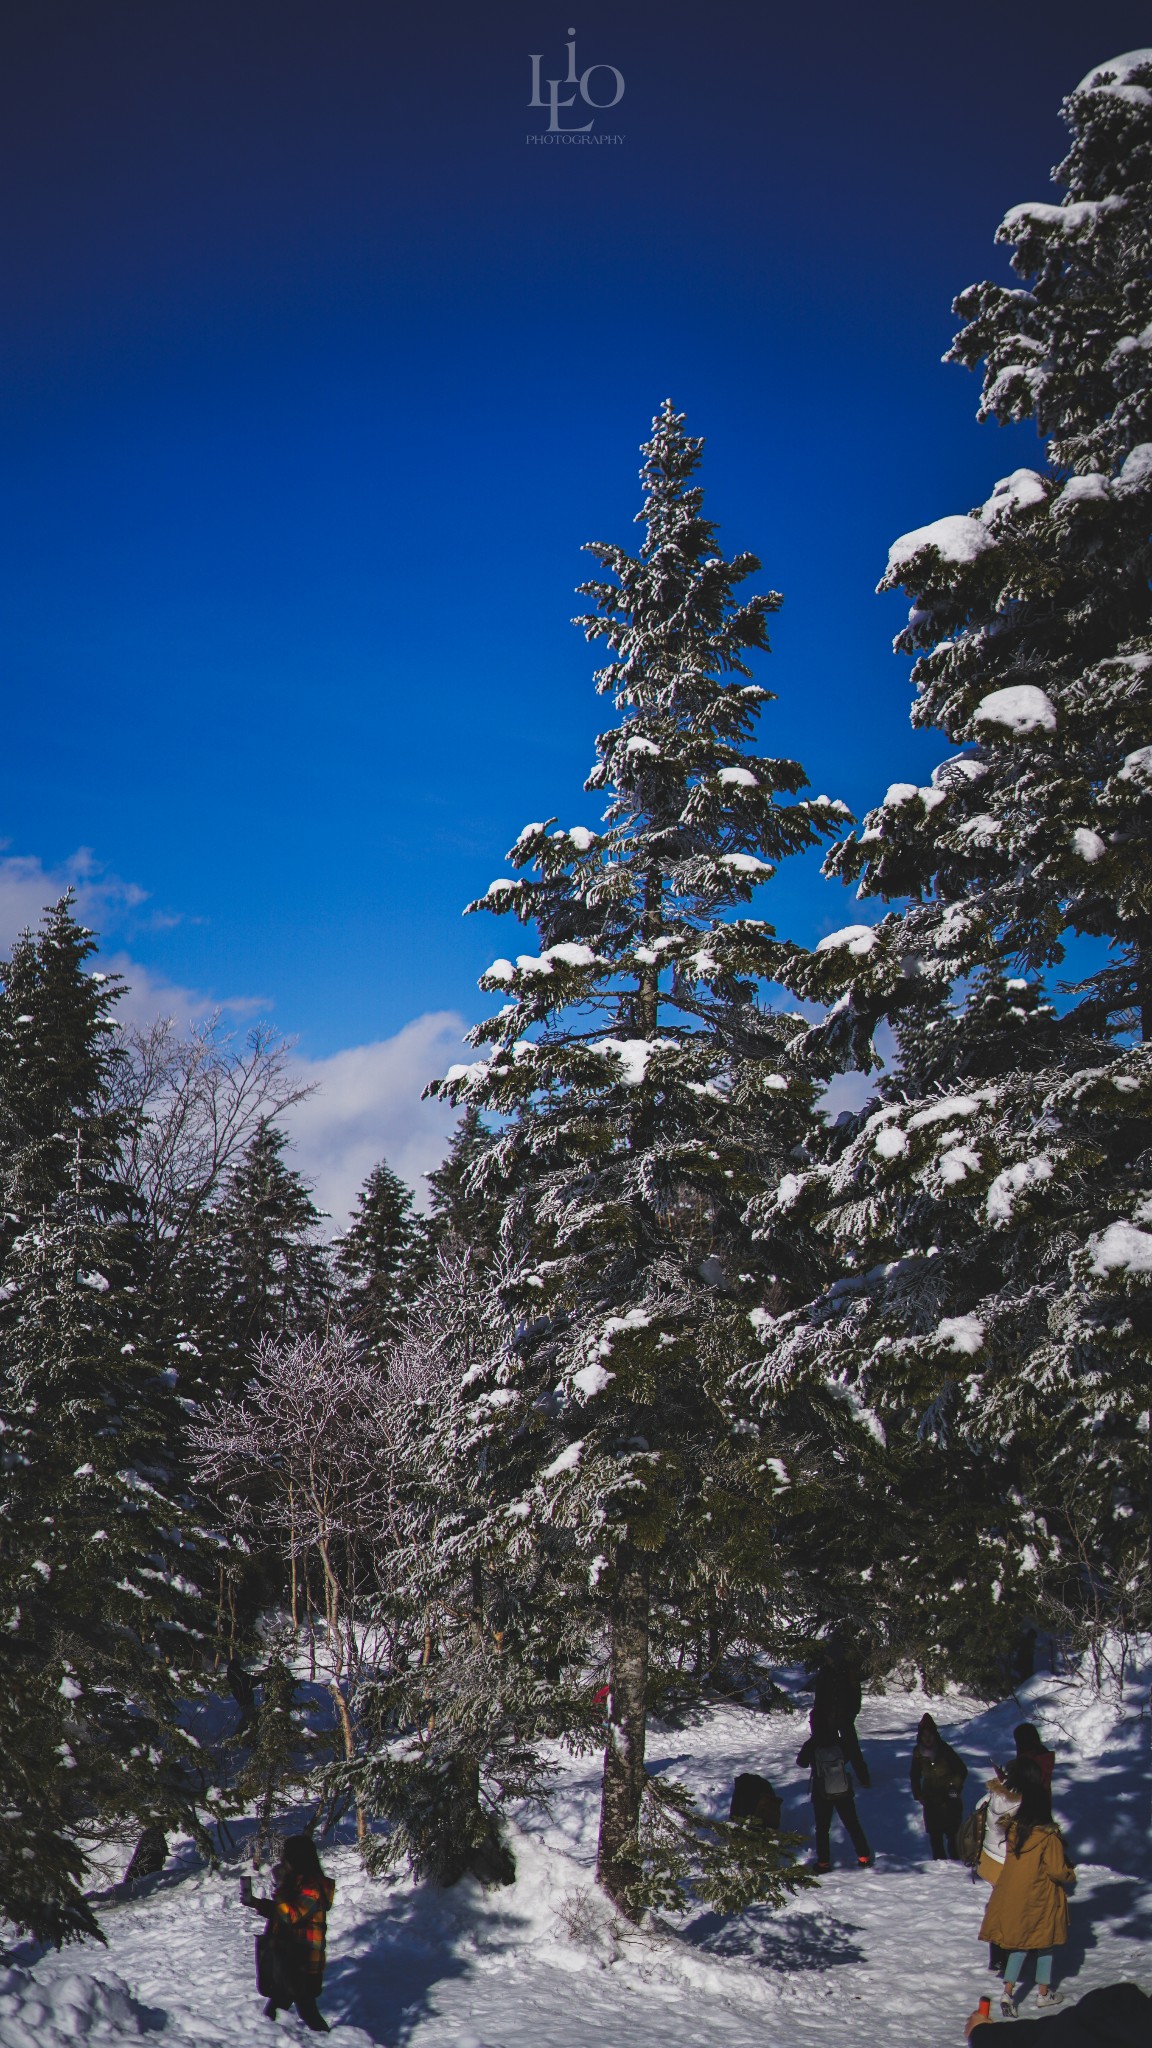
989	1208
462	1214
102	1615
479	1641
649	1094
257	1268
381	1258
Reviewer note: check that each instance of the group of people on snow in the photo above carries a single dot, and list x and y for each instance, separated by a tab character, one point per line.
1011	1841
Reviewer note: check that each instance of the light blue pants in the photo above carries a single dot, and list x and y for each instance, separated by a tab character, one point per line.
1013	1968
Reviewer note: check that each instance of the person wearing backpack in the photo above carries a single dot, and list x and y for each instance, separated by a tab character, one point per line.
938	1776
830	1785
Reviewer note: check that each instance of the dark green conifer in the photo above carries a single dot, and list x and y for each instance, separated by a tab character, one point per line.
382	1257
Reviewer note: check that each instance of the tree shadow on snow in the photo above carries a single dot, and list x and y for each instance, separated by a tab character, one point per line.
804	1941
388	1969
1117	1906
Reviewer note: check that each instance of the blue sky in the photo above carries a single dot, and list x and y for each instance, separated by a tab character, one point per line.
315	374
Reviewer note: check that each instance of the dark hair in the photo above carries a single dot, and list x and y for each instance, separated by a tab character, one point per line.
1034	1810
926	1724
1023	1770
823	1725
301	1863
1027	1739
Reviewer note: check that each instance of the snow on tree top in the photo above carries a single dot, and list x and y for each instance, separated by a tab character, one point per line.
1079	490
961	1333
739	778
590	1380
1116	72
857	939
745	864
950	1107
466	1075
1087	844
633	1054
567	955
1022	708
1009	1185
1137	766
1077	215
1136	470
1121	1249
567	1461
957	538
1012	494
616	1326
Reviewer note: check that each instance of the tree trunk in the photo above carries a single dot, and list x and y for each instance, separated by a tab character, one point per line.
618	1856
349	1735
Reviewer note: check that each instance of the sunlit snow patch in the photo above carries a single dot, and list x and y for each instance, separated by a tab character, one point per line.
957	538
1121	1249
857	939
961	1333
1022	709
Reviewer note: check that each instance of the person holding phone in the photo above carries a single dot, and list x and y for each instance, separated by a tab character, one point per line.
290	1953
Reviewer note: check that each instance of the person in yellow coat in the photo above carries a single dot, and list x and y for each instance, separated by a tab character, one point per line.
1027	1912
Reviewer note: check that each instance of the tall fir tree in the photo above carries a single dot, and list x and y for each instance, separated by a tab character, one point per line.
990	1208
648	1095
103	1617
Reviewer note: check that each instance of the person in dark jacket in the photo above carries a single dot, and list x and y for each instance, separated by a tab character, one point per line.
836	1697
291	1955
938	1776
1030	1749
1112	2016
831	1789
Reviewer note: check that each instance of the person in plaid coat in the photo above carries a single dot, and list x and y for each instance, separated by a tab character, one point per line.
290	1954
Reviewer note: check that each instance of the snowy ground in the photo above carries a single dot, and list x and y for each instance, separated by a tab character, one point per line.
544	1965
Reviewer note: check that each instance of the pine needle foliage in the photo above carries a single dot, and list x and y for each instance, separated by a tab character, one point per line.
994	1299
646	1095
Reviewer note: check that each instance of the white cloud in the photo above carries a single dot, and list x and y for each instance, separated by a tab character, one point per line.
367	1107
28	888
367	1104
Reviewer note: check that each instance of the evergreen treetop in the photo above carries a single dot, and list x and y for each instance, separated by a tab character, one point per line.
1031	621
381	1256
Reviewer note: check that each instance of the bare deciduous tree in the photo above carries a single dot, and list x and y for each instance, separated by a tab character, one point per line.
306	1456
192	1101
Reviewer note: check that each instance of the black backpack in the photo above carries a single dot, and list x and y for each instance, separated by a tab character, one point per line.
754	1799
